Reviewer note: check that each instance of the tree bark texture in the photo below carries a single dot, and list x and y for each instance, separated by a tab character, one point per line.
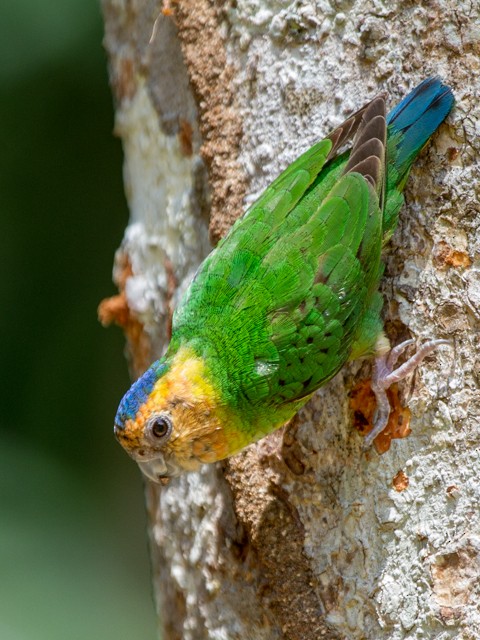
303	536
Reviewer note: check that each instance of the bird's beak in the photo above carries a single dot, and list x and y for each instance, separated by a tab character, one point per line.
158	470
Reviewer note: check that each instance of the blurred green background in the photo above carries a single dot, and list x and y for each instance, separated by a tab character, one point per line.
73	551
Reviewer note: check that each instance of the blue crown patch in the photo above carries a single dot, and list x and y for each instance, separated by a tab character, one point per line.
138	393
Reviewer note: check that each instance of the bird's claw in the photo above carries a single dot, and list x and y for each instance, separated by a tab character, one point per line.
384	375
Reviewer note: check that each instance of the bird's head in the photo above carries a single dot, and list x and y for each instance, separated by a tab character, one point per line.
171	420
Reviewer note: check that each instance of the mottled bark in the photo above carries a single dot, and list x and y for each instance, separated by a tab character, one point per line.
303	536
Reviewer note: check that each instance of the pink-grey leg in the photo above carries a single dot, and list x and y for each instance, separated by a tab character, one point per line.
384	375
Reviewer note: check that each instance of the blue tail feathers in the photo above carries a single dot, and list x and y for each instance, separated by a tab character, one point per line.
410	125
415	119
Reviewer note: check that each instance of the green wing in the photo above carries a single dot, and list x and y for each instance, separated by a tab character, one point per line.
278	307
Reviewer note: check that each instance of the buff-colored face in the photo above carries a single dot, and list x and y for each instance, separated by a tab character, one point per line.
170	422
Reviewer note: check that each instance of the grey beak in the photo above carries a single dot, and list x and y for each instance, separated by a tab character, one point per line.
155	469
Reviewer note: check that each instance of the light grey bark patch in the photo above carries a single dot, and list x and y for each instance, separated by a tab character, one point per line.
206	573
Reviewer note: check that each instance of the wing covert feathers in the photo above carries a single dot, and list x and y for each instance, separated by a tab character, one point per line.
347	130
368	151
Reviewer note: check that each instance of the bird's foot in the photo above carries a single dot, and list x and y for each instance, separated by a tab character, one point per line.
384	375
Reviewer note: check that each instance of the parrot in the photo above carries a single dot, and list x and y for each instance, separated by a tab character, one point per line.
287	297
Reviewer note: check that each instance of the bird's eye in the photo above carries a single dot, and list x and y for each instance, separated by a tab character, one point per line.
161	426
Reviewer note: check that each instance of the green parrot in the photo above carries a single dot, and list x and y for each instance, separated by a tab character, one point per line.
286	298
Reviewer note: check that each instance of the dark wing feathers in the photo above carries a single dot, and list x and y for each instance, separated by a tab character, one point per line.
368	151
347	130
369	155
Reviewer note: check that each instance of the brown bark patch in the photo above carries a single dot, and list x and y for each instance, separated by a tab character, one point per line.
401	481
446	256
220	124
124	83
363	404
185	137
167	8
454	576
115	310
276	535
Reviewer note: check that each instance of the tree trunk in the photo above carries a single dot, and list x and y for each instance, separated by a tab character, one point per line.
304	536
